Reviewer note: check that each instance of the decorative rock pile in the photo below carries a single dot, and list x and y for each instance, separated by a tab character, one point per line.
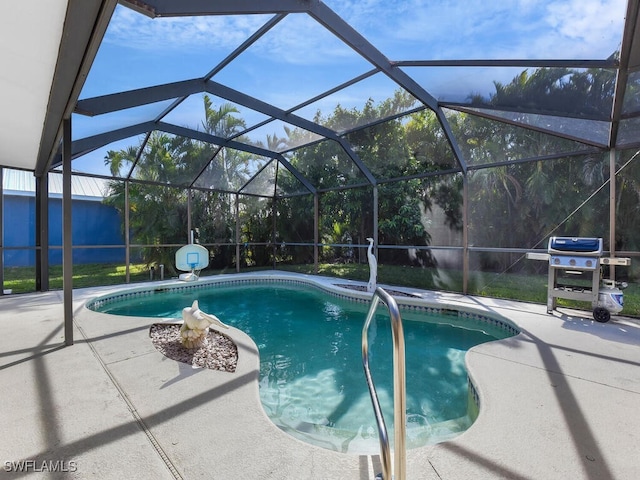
193	342
218	352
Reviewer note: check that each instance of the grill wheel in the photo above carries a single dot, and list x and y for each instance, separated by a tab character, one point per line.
601	314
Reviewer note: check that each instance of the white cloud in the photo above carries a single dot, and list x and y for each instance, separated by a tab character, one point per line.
446	29
590	22
300	40
297	39
400	29
132	30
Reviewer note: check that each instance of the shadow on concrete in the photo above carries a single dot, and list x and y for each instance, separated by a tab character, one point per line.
98	440
496	470
585	443
37	351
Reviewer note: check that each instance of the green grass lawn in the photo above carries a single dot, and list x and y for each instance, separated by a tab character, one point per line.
22	279
528	288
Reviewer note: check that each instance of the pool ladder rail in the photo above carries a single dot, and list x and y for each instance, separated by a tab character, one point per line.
399	389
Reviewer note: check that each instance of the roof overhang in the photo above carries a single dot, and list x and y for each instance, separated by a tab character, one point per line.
32	32
84	26
47	49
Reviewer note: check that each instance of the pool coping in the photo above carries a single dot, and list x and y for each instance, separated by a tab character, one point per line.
413	301
542	394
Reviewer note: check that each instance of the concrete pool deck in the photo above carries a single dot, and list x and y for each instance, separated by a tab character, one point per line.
558	401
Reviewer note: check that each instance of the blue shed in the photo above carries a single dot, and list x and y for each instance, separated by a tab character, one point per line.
94	223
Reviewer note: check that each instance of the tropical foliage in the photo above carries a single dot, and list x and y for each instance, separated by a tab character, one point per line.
523	185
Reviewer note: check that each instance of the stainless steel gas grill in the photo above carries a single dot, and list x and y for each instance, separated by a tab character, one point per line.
575	257
575	272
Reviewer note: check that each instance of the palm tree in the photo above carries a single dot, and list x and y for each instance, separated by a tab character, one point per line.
157	211
117	160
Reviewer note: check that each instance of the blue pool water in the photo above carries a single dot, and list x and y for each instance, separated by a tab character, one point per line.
311	379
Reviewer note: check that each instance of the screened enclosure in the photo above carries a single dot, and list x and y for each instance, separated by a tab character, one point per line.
283	134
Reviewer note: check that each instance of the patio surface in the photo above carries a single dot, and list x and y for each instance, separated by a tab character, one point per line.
558	401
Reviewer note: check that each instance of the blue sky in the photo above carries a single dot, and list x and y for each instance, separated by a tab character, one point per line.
138	51
299	59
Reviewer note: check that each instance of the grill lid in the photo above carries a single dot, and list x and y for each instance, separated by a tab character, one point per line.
575	246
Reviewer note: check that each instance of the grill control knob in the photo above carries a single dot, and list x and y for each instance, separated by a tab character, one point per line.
556	261
572	262
589	263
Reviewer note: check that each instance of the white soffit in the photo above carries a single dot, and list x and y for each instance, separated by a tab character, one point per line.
30	35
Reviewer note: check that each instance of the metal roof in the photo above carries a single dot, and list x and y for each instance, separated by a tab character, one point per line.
23	182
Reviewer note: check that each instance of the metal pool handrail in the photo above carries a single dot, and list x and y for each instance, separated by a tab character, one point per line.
399	388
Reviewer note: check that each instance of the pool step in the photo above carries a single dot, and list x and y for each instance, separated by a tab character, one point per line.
366	442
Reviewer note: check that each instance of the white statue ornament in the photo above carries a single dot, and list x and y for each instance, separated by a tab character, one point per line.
195	326
373	267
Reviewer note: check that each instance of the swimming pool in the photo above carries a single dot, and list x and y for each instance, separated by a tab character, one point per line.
311	379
